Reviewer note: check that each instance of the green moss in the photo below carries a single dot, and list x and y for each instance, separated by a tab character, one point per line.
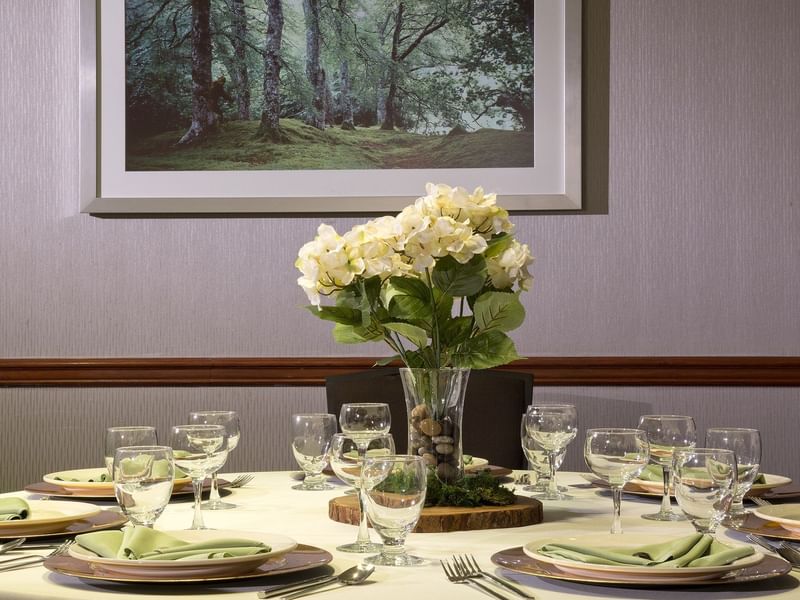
480	489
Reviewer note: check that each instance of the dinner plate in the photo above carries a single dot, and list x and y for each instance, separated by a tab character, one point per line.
640	487
233	565
58	491
515	559
751	523
785	515
47	516
60	478
105	519
633	573
301	558
476	464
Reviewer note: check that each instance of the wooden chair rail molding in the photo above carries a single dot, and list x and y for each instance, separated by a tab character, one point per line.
312	371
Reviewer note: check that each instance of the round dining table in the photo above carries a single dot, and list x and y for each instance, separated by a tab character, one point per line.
269	504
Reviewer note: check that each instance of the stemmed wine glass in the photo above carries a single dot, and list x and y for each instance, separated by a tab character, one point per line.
395	489
704	481
311	439
118	437
229	419
616	456
553	427
363	421
199	450
346	463
667	434
746	445
143	477
537	461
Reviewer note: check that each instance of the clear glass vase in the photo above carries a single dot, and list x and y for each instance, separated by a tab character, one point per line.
435	406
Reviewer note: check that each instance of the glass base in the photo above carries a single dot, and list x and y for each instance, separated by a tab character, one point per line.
556	496
312	487
395	560
665	516
357	548
218	505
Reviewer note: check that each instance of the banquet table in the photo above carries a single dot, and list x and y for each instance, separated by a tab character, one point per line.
269	504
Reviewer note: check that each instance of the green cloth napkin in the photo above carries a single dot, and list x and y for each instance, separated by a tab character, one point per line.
695	550
143	543
656	473
98	477
13	509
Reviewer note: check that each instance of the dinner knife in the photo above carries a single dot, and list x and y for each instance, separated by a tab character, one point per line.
280	590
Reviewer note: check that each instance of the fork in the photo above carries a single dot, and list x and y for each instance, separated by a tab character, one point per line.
26	561
455	575
759	501
241	480
469	568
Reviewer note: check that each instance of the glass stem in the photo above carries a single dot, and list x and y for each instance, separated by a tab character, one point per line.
616	524
213	495
552	487
197	486
363	527
666	507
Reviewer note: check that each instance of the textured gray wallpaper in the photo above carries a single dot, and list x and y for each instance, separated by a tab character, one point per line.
698	254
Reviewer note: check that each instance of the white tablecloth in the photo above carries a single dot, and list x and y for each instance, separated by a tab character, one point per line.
269	504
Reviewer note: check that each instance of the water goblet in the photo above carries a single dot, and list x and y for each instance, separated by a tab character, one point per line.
395	490
199	450
118	437
746	445
311	439
666	435
553	427
616	456
538	464
346	462
229	419
704	481
143	477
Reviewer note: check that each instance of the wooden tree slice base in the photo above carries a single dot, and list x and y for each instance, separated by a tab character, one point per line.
439	519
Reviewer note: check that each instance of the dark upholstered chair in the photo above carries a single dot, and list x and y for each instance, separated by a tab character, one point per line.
493	407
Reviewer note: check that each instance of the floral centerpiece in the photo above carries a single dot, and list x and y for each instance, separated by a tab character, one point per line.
439	283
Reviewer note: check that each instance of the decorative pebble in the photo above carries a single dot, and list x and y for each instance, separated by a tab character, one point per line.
430	459
430	427
444	448
442	439
446	472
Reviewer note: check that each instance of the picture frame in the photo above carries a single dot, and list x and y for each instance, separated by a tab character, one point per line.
106	188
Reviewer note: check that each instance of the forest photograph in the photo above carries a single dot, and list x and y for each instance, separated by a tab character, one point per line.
223	85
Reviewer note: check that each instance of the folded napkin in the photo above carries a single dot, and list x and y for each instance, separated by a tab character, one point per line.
141	464
143	543
97	477
13	509
695	550
656	473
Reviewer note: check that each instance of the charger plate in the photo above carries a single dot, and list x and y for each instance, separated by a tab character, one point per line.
515	559
57	491
105	519
753	524
233	565
633	573
640	487
785	515
61	479
301	558
47	516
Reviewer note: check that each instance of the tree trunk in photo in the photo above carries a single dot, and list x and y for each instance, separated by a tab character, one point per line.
316	75
270	125
345	99
241	75
387	122
203	119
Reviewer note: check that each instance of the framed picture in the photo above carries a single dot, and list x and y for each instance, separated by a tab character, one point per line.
285	106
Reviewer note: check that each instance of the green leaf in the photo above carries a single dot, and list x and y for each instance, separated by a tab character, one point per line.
417	335
348	334
407	299
498	244
485	351
498	311
455	279
337	314
455	331
387	361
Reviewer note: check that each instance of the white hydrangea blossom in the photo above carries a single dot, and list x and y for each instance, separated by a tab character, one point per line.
326	265
511	267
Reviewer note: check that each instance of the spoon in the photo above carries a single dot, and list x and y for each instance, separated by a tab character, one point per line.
11	545
352	576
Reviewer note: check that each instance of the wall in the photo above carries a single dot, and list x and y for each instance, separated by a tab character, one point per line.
696	254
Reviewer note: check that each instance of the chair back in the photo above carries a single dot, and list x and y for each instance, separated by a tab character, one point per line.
493	406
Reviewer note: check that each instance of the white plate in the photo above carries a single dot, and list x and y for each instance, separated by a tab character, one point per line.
93	473
477	463
279	545
770	482
785	515
630	572
48	516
